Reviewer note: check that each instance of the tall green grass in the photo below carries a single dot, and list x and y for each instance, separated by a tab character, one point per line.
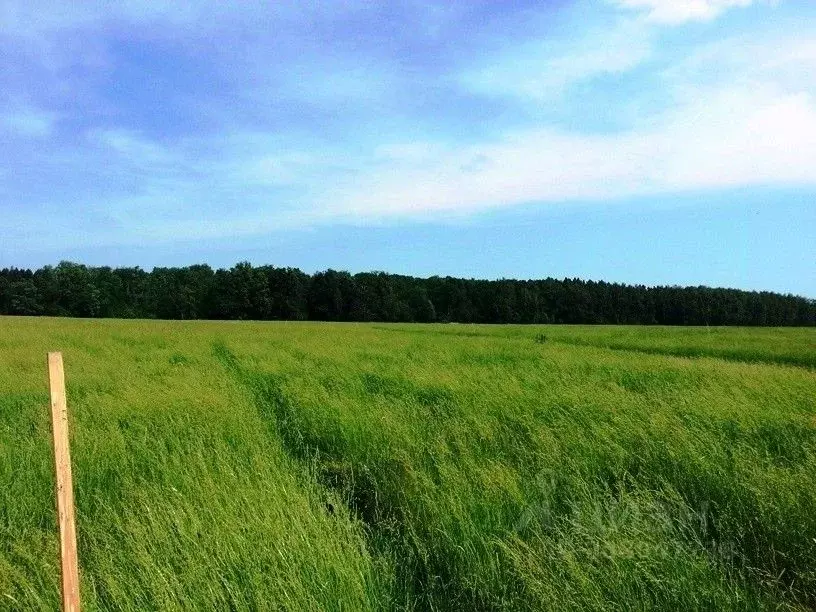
779	345
351	467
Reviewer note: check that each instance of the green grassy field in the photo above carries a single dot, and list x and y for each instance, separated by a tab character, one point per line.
259	466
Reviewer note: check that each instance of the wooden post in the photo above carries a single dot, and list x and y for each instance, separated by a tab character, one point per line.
65	488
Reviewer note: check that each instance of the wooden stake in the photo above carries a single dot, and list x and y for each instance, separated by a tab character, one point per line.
65	488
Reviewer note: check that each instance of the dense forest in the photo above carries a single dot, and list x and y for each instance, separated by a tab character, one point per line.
267	293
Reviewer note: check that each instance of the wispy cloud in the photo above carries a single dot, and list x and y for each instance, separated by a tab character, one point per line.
752	124
674	12
735	138
131	147
542	70
28	122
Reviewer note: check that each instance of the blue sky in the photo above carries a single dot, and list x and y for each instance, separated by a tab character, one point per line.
642	141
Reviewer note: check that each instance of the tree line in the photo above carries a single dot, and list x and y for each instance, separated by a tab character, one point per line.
270	293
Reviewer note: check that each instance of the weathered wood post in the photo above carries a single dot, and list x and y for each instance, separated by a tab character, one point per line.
65	487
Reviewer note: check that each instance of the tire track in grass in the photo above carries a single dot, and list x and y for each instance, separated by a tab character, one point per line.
805	362
331	471
271	403
388	531
354	492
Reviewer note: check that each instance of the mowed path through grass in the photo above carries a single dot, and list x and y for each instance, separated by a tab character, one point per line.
229	465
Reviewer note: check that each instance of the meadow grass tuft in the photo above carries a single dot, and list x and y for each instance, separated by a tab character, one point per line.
406	467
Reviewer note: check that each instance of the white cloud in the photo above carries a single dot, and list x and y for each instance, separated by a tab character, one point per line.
131	146
787	62
278	169
726	137
741	111
672	12
543	70
32	123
